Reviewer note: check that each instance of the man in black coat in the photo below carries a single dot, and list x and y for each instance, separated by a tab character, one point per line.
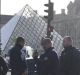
17	62
3	67
70	58
49	60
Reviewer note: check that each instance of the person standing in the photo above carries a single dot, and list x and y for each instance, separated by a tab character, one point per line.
17	60
70	58
33	64
3	67
49	60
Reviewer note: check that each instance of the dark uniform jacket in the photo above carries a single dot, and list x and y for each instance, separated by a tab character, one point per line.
70	61
16	62
33	66
49	63
3	67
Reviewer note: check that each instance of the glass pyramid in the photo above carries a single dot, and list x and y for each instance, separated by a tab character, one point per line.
28	24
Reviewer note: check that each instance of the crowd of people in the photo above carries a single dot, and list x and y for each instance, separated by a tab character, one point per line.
46	64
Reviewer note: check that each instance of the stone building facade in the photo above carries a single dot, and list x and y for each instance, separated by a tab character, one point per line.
69	24
4	19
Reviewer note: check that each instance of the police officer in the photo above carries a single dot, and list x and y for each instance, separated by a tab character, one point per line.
70	58
17	58
49	60
33	64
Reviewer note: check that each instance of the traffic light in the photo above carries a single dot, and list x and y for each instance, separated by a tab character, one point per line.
49	17
49	11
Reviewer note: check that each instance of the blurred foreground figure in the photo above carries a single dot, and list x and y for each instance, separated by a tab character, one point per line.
49	60
17	58
3	67
70	58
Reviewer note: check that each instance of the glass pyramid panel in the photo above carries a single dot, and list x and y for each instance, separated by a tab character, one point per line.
30	26
7	30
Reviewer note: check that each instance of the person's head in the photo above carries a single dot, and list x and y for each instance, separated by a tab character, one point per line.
35	54
46	43
67	41
20	41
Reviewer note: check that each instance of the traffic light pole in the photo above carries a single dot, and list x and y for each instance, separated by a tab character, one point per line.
49	17
48	29
0	41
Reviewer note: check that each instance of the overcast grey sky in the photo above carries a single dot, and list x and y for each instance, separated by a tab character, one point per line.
13	6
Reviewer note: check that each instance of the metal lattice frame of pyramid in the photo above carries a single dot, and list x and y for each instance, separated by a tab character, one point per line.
31	27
